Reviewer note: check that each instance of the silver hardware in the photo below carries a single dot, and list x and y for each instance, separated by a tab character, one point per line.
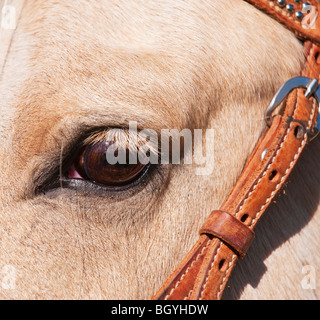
281	3
290	8
299	15
305	6
263	154
312	90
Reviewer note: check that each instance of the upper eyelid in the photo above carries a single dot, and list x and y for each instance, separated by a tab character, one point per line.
124	139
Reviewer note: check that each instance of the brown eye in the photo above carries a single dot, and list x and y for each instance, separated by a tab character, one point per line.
92	164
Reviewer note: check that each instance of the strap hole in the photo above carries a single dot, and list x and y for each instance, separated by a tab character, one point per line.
298	132
244	217
222	265
273	174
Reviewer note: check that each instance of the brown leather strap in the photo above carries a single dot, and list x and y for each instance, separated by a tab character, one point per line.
205	270
301	17
230	230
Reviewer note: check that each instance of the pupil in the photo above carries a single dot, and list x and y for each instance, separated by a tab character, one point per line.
98	168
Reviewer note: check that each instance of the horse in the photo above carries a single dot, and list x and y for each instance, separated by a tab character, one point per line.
72	72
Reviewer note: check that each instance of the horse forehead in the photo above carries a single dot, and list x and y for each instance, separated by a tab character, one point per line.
218	34
176	43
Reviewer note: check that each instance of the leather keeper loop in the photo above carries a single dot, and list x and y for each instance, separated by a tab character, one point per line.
230	230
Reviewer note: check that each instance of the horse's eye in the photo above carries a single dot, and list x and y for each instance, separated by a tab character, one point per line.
92	164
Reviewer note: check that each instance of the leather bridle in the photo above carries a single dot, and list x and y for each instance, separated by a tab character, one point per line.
227	233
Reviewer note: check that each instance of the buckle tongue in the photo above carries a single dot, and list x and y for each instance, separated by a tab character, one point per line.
312	90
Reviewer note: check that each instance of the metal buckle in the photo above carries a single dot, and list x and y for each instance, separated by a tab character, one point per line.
312	90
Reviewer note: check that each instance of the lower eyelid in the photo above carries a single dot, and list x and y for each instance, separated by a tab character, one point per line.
150	183
149	178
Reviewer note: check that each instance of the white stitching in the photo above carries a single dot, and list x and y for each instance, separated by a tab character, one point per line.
277	186
272	161
303	142
211	266
225	277
187	270
264	173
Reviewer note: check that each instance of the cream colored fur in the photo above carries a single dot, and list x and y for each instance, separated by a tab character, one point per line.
74	65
